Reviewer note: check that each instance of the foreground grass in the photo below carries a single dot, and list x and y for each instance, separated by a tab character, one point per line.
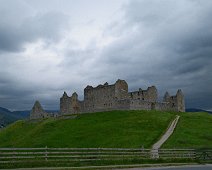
117	129
194	130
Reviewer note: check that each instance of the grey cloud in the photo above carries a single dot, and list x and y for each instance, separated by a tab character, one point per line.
20	25
48	25
162	43
19	98
175	48
26	27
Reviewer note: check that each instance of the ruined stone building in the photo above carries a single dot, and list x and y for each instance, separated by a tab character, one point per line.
114	97
37	112
117	97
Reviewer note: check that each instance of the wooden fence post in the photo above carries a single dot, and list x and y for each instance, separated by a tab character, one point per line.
99	153
46	153
13	150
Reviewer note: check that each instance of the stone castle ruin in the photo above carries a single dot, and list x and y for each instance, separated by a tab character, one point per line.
117	97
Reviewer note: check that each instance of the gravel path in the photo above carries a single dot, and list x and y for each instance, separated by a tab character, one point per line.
168	133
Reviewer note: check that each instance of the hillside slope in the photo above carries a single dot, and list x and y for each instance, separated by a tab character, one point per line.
131	129
194	130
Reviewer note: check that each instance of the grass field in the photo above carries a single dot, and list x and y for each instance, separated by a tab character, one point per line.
194	130
124	129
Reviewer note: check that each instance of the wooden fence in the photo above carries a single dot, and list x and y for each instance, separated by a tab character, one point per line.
92	154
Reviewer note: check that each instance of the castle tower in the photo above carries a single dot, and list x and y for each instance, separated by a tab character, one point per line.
176	103
152	94
166	97
75	103
64	103
37	111
121	89
180	101
74	97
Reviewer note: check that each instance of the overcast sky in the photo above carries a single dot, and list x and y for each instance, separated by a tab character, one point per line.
51	46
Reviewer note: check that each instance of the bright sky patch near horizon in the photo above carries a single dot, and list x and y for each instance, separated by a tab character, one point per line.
51	46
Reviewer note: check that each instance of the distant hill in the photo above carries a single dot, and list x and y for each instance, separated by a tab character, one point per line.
8	117
197	110
23	113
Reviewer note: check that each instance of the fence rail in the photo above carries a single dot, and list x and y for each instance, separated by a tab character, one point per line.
90	154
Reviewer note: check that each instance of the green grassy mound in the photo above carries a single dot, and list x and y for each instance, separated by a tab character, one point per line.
116	129
194	130
124	129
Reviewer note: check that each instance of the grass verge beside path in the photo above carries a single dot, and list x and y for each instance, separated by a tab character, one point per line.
194	130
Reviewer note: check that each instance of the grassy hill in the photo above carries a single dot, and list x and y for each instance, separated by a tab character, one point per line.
124	129
194	130
106	129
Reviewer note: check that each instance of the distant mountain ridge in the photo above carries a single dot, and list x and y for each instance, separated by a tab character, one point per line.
7	116
197	110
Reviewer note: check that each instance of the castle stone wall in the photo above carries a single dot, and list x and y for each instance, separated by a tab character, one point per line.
99	98
149	95
163	106
123	104
137	104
